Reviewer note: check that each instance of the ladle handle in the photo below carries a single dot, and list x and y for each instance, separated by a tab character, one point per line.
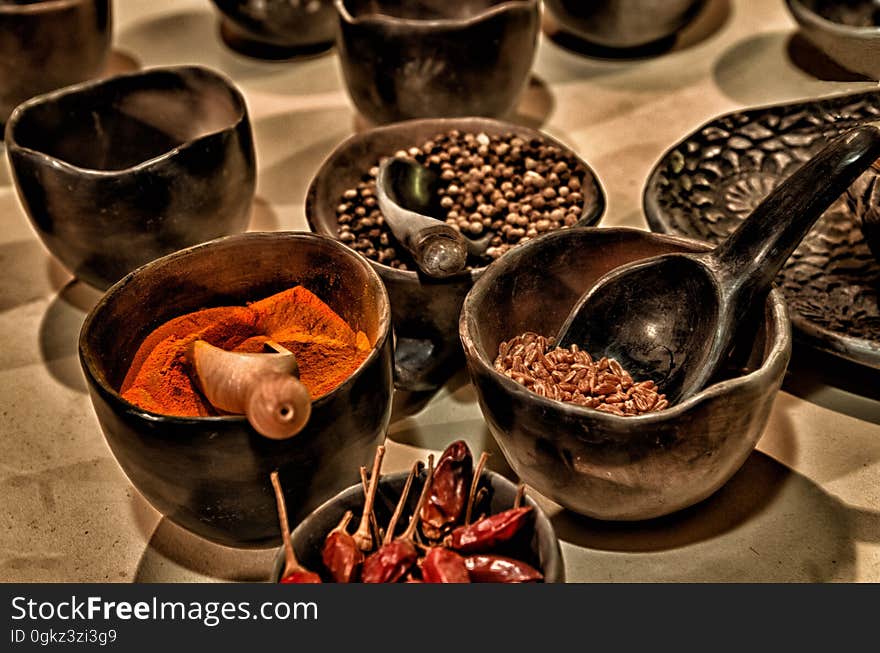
751	257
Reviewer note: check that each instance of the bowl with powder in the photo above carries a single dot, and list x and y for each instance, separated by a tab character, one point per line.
498	180
577	427
204	468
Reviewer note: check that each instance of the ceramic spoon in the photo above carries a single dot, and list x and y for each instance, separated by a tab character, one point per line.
672	318
407	194
264	387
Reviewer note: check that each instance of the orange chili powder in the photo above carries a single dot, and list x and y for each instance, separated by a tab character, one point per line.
327	350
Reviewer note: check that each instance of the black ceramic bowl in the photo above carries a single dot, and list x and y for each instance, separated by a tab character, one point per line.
848	31
424	311
210	475
540	549
595	463
405	59
118	172
277	29
624	24
47	44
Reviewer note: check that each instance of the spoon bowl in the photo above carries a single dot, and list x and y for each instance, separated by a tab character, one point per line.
672	319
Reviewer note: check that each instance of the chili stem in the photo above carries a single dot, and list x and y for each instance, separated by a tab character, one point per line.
362	537
344	522
398	509
374	524
520	494
414	520
291	563
475	481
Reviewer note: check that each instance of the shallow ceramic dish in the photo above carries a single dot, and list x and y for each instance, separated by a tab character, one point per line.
405	59
277	29
542	551
703	186
424	311
210	475
47	44
118	172
624	24
848	31
594	463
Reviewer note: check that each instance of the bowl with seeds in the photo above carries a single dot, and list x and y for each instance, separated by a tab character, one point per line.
579	428
500	185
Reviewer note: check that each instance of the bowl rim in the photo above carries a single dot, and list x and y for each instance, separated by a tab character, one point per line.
87	357
43	6
775	358
806	16
13	146
555	563
589	217
433	23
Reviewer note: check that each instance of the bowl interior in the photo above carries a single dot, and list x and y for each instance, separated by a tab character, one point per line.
537	545
851	13
534	287
122	122
228	271
421	9
348	164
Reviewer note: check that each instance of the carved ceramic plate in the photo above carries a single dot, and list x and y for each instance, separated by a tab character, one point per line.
707	183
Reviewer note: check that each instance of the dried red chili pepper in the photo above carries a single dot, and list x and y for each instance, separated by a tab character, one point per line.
449	490
489	531
442	565
341	554
487	568
293	571
394	558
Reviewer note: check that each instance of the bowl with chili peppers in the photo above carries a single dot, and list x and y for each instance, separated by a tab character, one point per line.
453	522
213	366
579	428
499	184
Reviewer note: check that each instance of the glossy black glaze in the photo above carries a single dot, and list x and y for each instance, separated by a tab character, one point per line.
424	311
405	59
277	29
624	24
47	44
848	31
595	463
706	184
119	172
211	475
541	549
672	319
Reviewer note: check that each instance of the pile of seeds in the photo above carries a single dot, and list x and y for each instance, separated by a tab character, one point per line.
571	375
507	186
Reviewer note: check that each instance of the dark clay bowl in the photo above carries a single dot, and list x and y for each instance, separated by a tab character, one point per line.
597	464
424	311
277	29
47	44
405	59
210	475
624	24
540	549
848	31
119	172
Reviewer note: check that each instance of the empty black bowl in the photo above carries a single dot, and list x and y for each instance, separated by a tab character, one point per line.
624	24
424	310
118	172
210	475
594	463
47	44
405	59
277	29
540	550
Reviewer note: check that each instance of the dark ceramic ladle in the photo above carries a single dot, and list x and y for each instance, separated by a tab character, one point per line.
407	194
672	318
